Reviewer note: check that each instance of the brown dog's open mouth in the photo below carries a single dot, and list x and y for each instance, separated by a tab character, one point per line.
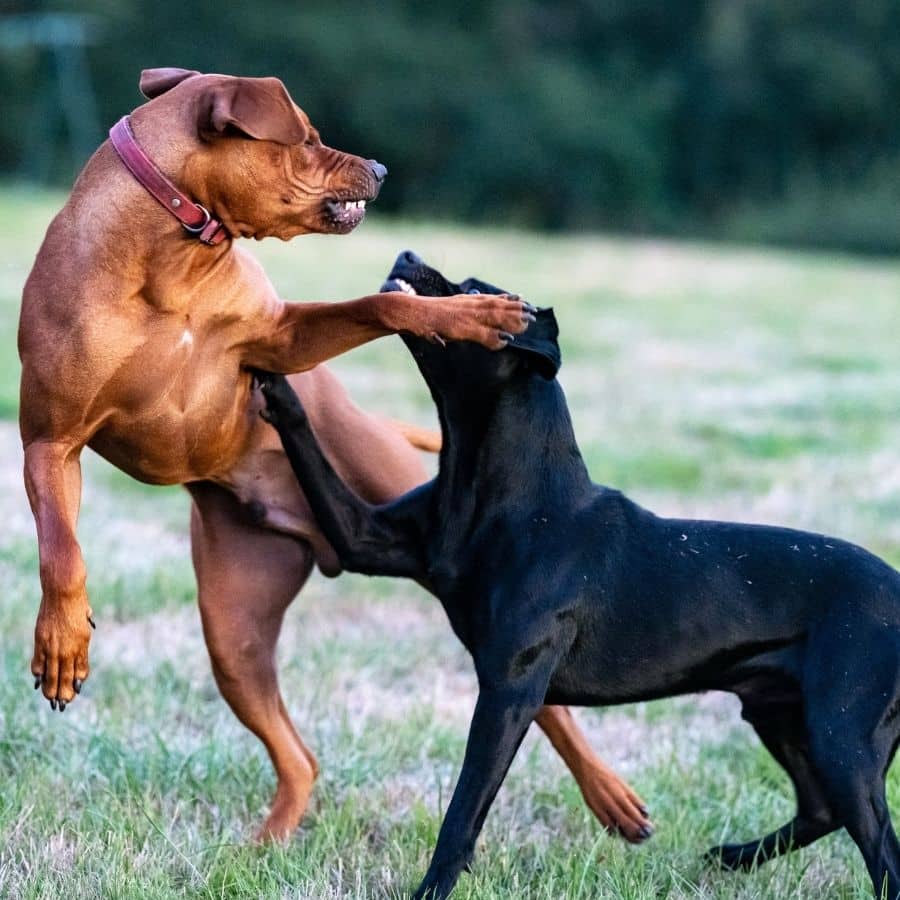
344	215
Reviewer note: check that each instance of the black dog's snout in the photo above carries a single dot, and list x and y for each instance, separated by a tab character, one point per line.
378	170
408	258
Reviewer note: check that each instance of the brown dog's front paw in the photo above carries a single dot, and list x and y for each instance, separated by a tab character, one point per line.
60	661
491	320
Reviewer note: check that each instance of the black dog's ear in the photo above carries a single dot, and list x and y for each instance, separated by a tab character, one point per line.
539	345
477	286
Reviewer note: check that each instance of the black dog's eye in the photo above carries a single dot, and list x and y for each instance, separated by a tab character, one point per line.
473	291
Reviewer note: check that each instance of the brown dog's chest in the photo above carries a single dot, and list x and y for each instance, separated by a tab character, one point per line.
176	407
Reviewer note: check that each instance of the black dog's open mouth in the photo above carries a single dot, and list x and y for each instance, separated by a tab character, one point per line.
397	284
345	215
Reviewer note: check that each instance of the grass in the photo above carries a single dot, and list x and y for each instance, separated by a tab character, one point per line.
703	380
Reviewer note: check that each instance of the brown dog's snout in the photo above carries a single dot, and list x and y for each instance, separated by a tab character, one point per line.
378	170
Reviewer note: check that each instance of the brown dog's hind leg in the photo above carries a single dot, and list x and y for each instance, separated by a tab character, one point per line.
246	578
609	798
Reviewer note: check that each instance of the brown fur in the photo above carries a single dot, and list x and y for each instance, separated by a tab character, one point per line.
135	340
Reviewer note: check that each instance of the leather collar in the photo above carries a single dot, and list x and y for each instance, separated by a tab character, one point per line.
195	218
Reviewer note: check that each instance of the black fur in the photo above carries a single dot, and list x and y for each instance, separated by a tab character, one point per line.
567	592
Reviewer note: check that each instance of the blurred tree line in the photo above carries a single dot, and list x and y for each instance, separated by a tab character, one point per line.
768	120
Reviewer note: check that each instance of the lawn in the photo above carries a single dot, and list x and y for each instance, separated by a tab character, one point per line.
704	380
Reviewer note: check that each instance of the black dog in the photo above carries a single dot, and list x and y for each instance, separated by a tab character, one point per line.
567	592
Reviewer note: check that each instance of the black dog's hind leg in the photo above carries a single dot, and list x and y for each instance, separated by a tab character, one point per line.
782	731
852	702
503	713
856	791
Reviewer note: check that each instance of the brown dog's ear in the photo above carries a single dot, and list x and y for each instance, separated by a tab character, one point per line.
157	81
259	107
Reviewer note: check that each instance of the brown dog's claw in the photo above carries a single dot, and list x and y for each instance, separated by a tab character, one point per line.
37	681
62	705
266	415
91	622
435	338
77	684
506	336
53	704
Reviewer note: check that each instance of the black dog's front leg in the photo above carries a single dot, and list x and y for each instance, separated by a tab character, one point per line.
374	540
502	715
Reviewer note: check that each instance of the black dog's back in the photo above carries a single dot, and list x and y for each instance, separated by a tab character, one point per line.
698	590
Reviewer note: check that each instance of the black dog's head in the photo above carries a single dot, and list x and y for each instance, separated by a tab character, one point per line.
463	364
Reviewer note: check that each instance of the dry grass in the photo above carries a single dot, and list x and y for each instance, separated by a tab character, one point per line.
705	381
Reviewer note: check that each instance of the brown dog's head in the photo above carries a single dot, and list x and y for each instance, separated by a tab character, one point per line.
257	161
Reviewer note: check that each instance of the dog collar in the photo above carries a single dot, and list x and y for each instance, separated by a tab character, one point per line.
195	218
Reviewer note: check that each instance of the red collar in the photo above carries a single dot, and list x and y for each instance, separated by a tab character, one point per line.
195	218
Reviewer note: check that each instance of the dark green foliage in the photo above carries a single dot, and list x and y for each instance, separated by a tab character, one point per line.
752	119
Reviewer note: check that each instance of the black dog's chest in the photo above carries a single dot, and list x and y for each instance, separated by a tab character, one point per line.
459	591
468	575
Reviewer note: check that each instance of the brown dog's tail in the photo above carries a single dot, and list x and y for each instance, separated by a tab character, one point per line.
421	438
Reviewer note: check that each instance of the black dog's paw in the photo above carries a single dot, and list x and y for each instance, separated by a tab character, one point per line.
439	881
733	856
433	891
282	403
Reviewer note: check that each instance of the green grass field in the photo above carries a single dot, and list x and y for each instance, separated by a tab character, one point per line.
703	380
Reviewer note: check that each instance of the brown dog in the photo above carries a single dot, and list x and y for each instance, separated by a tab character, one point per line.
135	340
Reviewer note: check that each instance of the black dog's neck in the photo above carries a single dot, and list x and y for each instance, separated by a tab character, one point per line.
516	437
